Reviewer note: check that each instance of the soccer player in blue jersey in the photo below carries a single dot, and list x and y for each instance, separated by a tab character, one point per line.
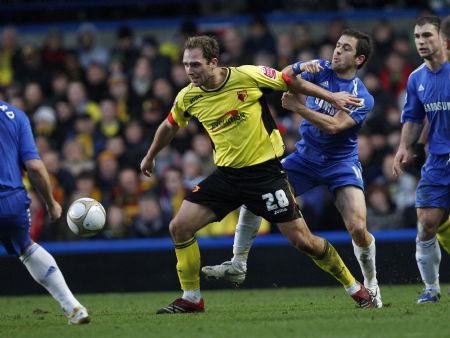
428	95
18	151
327	154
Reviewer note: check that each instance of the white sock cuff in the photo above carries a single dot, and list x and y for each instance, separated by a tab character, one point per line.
426	244
364	249
31	249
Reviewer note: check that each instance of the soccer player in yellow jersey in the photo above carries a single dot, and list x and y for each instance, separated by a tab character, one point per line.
229	103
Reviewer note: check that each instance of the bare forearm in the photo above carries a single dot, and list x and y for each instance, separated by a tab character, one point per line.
301	86
325	123
423	138
410	134
40	180
164	135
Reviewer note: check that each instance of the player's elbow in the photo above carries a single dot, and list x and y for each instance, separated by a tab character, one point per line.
34	166
330	129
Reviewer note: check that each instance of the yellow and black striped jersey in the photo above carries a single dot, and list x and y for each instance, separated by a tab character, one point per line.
235	115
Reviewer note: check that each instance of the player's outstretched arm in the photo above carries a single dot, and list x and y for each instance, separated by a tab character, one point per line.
410	133
312	67
164	135
340	100
38	175
328	124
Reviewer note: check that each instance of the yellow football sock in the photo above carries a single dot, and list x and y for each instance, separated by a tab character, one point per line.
331	262
188	266
444	235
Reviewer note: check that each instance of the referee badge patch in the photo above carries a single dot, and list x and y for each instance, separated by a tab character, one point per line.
196	188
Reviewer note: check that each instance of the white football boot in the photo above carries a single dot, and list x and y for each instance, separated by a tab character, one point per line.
79	315
226	271
375	292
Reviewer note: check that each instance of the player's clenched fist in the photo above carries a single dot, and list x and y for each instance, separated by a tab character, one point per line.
147	165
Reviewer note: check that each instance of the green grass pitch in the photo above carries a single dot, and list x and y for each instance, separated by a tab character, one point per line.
302	312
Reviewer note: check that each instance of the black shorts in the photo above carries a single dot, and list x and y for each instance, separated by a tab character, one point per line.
263	188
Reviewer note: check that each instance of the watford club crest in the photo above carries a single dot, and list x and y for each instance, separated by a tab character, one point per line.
242	95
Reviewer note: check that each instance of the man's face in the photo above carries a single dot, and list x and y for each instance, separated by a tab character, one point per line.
426	38
197	67
344	55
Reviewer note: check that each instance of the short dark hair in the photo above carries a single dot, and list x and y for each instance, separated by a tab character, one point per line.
445	27
363	45
431	19
208	45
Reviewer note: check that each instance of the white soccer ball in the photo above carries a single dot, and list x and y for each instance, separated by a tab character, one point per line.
86	217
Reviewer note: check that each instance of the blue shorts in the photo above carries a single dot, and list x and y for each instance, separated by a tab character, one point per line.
433	190
15	223
305	175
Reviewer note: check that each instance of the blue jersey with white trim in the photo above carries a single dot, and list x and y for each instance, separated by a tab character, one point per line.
16	146
428	94
343	145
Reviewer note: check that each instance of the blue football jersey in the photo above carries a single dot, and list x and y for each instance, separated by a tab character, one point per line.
343	145
16	146
428	93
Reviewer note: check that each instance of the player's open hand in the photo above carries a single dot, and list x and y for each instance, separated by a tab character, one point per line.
147	165
291	102
345	101
400	160
312	67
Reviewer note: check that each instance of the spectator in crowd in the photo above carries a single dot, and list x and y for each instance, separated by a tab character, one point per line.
173	191
107	176
80	102
382	213
110	125
125	49
116	227
64	178
95	83
9	55
233	53
151	221
160	64
192	169
53	51
135	142
260	39
75	159
127	194
85	187
88	49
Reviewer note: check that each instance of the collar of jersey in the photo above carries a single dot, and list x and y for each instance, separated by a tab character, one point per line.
223	83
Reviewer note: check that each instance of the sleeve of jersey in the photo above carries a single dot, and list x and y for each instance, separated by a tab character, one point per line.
413	109
314	77
177	114
267	77
359	114
28	149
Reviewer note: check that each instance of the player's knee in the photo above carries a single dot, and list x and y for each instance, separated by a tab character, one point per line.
179	230
426	229
358	233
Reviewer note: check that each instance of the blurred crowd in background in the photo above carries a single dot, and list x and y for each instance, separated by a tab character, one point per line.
94	110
